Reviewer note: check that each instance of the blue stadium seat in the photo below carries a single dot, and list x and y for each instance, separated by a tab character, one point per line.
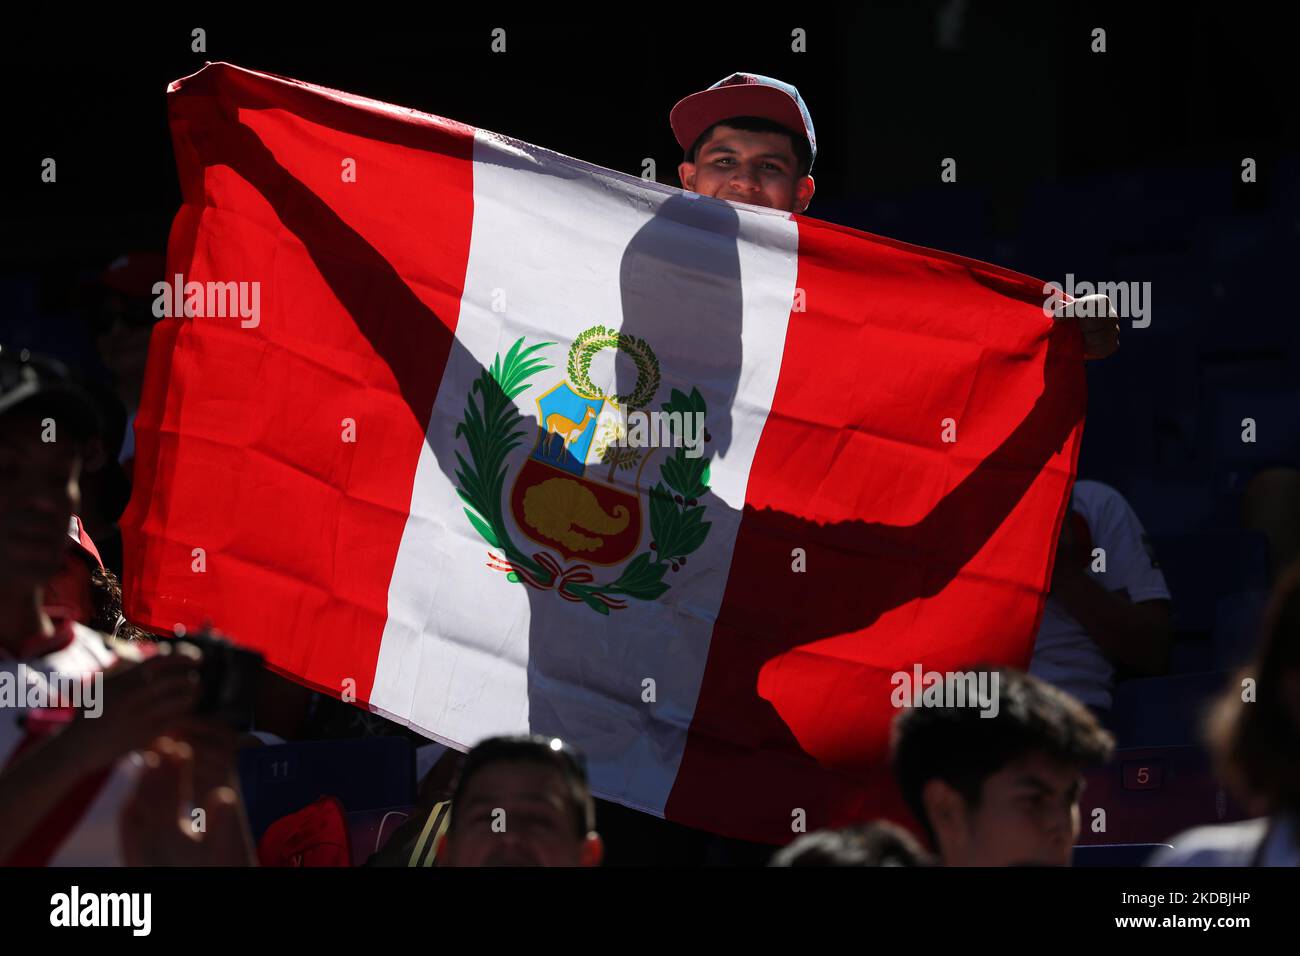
1114	854
954	218
1248	254
1287	206
1237	622
1276	413
1169	505
1146	795
1191	654
1203	566
1163	711
369	773
1118	215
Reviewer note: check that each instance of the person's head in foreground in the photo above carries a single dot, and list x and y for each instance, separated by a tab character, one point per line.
45	423
1255	737
747	138
865	844
1000	790
522	801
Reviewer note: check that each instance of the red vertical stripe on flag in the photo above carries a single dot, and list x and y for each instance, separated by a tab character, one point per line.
242	446
917	549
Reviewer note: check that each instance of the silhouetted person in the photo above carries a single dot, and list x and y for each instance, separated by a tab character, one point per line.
1254	736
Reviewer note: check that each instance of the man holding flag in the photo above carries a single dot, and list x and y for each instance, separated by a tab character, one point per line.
885	468
750	138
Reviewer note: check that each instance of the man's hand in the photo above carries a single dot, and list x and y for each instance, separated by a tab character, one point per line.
1098	324
141	701
215	748
157	829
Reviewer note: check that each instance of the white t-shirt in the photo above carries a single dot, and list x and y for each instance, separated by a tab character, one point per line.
87	830
1064	654
1247	843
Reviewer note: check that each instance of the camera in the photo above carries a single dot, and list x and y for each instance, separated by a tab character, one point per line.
228	675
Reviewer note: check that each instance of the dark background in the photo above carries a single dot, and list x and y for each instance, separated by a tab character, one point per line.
1009	89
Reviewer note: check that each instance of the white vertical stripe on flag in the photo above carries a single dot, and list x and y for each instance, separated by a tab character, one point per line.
551	238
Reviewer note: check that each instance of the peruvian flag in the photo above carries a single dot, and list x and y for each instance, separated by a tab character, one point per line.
492	440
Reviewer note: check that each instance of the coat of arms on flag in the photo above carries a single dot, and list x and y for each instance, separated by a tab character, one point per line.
579	493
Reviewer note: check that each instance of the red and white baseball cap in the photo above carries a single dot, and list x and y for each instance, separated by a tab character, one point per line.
742	94
77	532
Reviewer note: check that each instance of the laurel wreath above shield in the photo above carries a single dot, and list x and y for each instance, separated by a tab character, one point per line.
491	430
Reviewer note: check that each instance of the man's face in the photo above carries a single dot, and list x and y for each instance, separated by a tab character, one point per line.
39	492
517	813
1028	815
123	340
758	168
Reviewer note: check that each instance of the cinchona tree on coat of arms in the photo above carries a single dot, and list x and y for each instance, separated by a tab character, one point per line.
581	521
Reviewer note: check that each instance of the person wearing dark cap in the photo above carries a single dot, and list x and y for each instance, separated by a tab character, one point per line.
119	308
749	138
46	425
521	801
123	323
76	708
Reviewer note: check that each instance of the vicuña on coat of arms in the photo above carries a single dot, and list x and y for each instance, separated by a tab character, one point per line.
580	493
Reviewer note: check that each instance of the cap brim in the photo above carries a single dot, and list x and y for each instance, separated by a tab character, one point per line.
85	546
697	112
66	404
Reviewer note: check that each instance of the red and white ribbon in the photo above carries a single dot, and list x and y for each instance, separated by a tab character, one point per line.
560	578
